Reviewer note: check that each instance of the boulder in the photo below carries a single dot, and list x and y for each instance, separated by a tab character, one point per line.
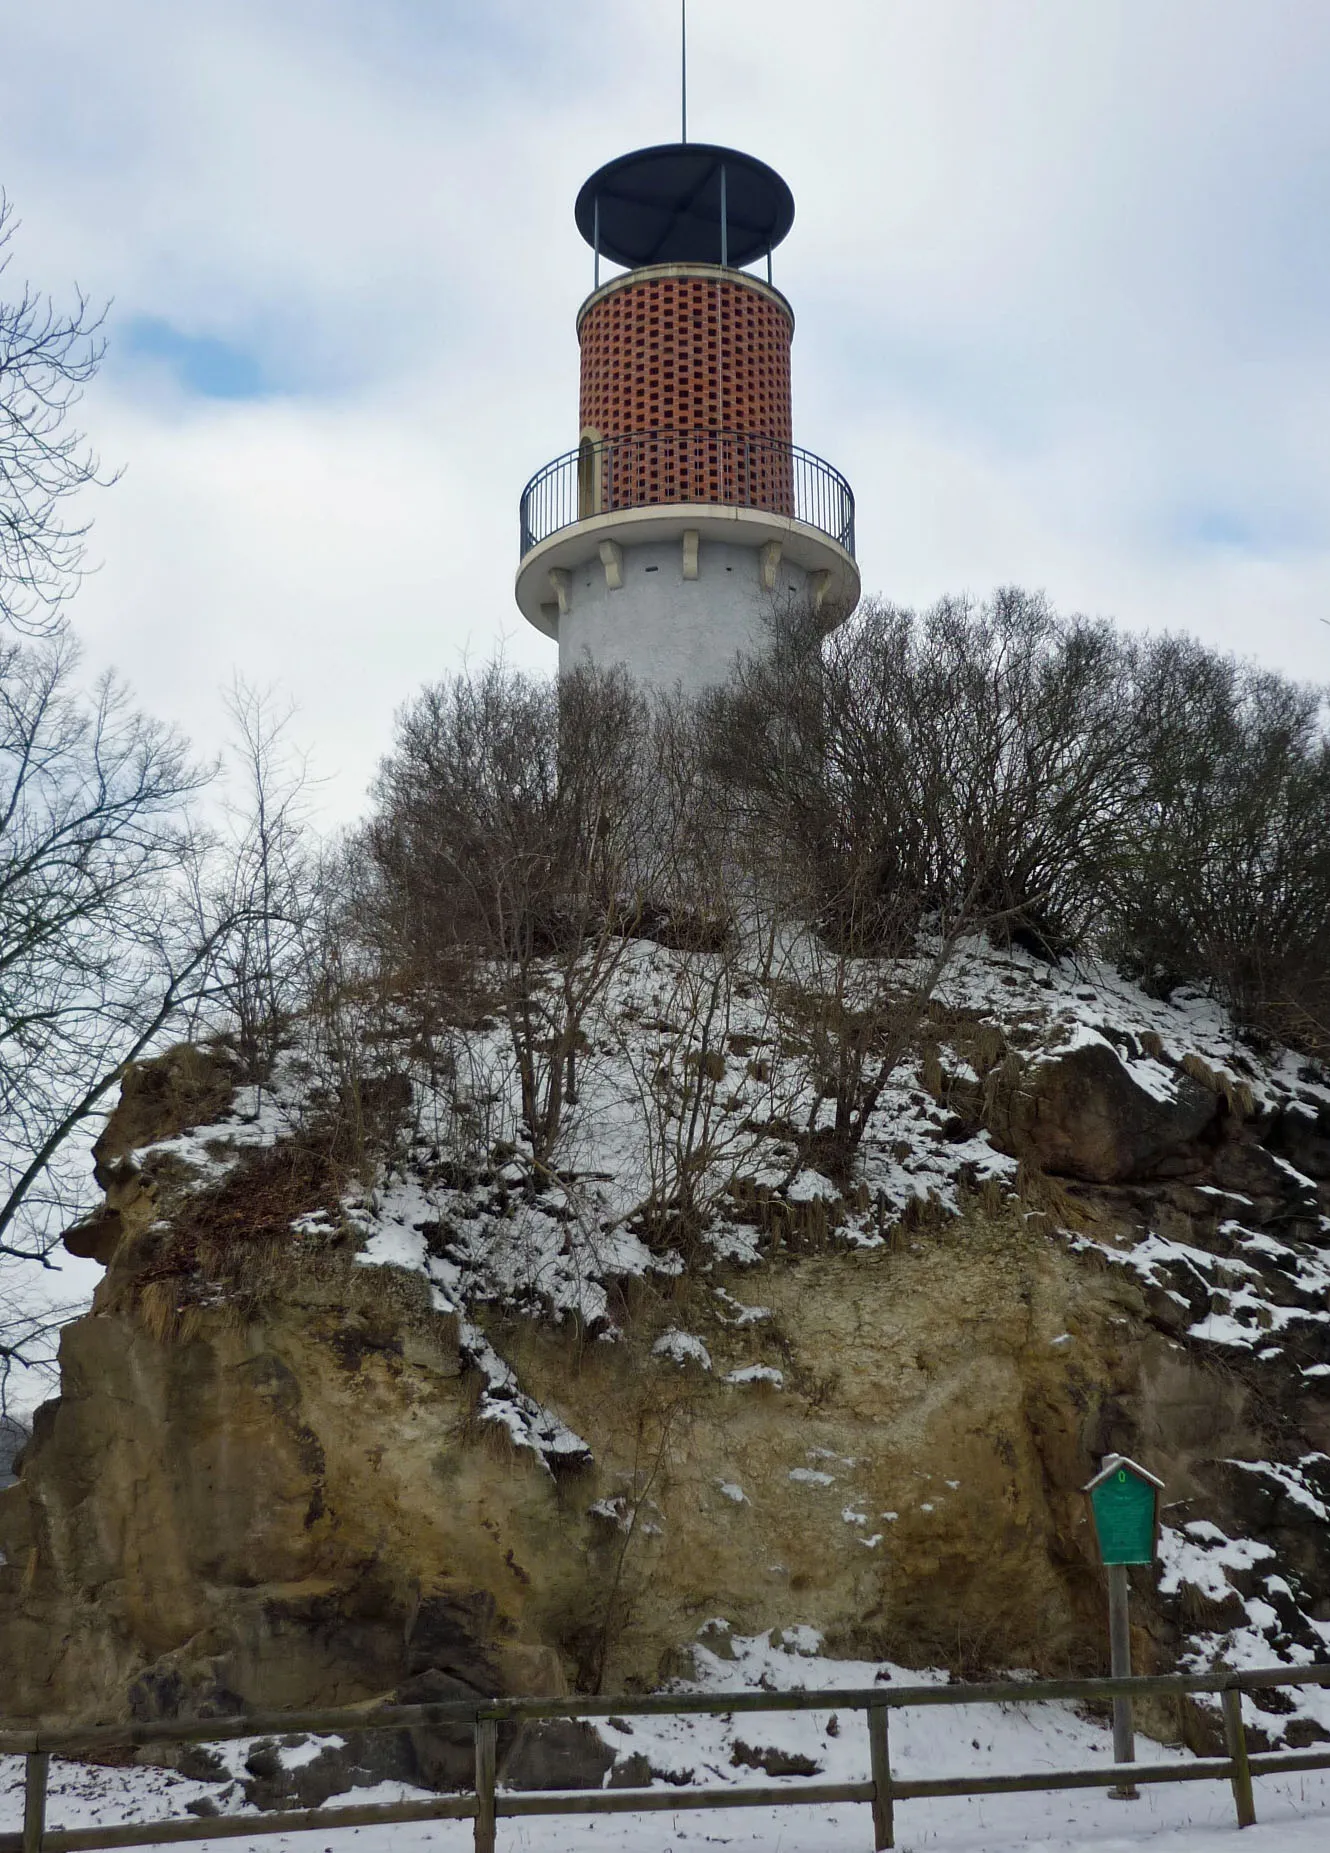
361	1760
558	1753
444	1755
95	1238
448	1634
1081	1114
161	1098
1301	1135
633	1771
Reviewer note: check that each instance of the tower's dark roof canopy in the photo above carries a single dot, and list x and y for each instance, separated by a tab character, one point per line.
662	206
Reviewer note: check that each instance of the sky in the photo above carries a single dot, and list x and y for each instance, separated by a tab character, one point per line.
1061	276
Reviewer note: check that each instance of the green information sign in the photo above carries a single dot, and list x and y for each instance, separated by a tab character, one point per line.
1125	1499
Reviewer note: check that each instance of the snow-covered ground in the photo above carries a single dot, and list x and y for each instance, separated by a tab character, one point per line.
1292	1811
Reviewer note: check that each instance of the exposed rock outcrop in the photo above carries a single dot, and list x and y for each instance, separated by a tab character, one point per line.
277	1476
1084	1114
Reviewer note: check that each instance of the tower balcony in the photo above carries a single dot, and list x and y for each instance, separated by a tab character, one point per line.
669	552
704	469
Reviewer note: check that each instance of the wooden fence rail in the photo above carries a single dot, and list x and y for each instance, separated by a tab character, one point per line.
487	1804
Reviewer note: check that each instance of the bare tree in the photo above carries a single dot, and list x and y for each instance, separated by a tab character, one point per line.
99	947
1232	841
508	837
903	785
30	1327
47	356
267	882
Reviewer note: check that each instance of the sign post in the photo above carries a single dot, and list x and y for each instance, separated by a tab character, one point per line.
1124	1502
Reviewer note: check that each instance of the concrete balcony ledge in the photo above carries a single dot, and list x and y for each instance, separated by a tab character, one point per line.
679	556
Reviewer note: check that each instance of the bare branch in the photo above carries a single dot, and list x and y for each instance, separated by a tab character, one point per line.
47	357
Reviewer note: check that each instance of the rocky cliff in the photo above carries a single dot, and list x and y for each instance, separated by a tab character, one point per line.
427	1430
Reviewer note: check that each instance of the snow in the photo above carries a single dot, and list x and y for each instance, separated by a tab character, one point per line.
552	1253
757	1373
1200	1555
1247	1305
1290	1481
258	1117
1293	1812
1073	1032
1084	1000
682	1348
529	1425
556	1252
472	1222
736	1313
1233	1572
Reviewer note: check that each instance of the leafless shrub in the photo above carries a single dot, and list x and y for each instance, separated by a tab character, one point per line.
512	846
357	1098
704	1105
855	1022
978	760
882	796
1231	882
619	1560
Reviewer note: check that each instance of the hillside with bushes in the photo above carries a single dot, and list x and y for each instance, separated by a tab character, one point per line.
679	1171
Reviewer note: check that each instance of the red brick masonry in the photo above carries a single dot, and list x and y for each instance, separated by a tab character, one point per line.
687	352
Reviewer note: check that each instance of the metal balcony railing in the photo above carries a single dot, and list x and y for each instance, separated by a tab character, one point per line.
650	468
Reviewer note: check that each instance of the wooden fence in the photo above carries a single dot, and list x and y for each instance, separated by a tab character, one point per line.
488	1804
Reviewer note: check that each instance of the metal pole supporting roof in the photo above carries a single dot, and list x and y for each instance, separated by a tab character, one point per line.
683	37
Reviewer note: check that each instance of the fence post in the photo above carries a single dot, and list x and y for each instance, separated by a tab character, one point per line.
879	1751
486	1754
38	1763
1235	1737
1119	1634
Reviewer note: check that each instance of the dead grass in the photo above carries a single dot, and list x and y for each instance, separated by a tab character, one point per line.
1239	1097
227	1246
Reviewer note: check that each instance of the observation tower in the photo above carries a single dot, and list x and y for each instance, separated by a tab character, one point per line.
686	519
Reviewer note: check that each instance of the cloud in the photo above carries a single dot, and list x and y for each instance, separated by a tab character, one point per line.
1063	308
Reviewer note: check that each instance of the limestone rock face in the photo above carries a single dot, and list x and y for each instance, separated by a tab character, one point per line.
263	1497
278	1477
296	1509
261	1512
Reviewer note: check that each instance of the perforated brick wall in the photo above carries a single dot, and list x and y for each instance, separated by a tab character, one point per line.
685	355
